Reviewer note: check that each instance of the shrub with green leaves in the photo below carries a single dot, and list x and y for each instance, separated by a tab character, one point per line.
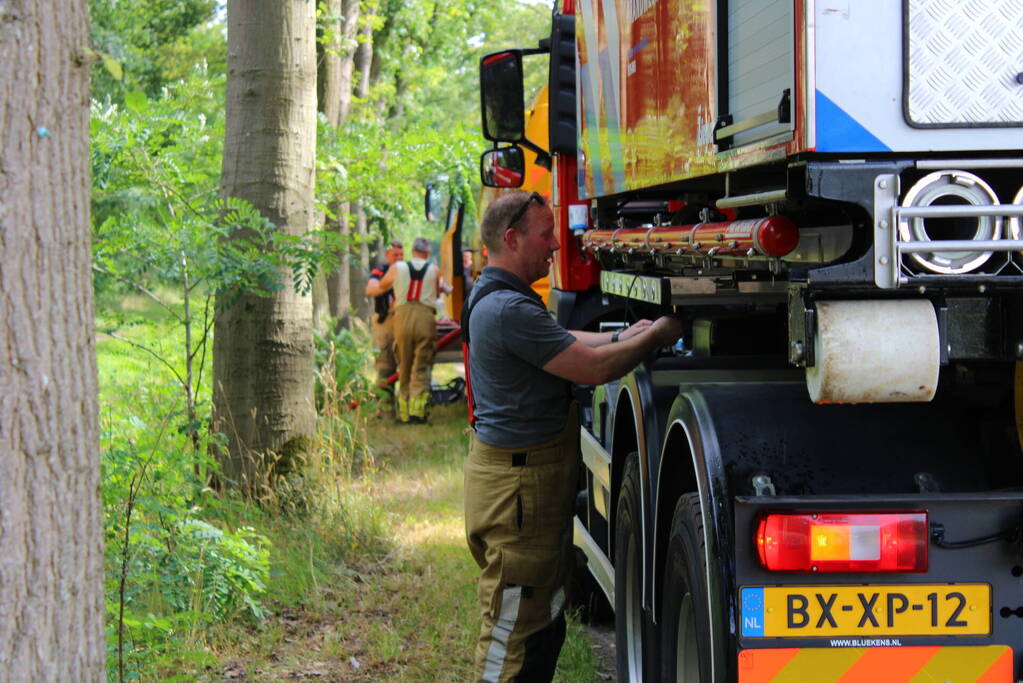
212	571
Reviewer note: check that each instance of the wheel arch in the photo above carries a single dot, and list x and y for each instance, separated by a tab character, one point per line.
691	461
625	439
676	476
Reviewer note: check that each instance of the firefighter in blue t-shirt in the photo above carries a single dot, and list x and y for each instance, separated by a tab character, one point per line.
522	472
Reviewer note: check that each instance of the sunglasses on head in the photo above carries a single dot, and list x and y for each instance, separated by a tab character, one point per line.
521	211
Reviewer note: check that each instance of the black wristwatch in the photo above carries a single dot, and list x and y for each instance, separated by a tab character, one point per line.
614	337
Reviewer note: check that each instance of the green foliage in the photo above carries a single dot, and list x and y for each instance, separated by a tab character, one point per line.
165	246
187	557
385	169
343	366
212	571
169	571
181	560
150	40
157	212
421	119
161	229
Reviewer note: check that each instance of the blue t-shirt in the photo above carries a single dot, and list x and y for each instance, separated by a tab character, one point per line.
512	337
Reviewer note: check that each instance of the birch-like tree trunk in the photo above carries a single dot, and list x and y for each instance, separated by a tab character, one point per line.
339	282
51	545
263	350
329	103
359	265
351	11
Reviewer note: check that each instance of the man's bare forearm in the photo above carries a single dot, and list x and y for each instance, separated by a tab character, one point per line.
592	339
588	365
621	357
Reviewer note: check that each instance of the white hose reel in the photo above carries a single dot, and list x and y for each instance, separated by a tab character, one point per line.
874	352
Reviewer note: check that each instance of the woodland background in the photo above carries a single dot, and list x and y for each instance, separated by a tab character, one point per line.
232	458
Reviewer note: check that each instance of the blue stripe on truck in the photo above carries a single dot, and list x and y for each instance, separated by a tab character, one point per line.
837	131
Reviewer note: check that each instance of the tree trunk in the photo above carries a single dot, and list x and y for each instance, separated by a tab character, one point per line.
359	270
263	351
359	265
51	572
330	77
339	283
349	46
321	303
329	102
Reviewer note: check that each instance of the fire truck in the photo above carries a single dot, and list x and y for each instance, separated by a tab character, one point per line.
823	480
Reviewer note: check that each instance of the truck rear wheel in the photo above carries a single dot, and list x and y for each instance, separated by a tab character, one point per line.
637	638
685	644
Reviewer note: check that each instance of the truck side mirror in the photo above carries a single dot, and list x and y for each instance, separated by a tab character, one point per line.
433	202
504	118
502	167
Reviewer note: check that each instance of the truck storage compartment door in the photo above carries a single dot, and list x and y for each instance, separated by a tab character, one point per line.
915	76
760	64
964	64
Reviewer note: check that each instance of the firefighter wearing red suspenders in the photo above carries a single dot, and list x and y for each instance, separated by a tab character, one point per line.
416	284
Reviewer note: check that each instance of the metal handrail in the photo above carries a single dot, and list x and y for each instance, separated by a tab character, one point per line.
958	245
959	211
889	216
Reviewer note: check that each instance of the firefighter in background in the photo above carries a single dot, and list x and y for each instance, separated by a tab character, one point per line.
417	284
382	322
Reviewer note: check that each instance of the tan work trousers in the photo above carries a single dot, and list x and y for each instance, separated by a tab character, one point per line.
383	341
519	505
415	336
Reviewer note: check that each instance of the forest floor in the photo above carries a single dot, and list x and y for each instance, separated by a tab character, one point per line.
411	614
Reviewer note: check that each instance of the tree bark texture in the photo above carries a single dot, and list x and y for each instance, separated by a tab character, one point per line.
329	103
330	66
51	562
358	267
263	351
359	264
339	283
351	10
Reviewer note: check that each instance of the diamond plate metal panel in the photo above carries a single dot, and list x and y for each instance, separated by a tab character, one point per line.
963	59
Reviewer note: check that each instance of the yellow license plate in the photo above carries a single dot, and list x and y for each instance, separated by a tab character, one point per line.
830	611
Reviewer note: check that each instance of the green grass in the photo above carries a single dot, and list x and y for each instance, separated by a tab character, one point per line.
421	484
407	611
370	578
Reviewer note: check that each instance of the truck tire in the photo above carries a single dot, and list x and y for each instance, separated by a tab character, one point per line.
637	639
685	640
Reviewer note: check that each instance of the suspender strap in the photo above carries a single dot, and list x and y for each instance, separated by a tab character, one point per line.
415	282
477	294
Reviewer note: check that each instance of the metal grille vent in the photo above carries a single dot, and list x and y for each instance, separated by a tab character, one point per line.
963	59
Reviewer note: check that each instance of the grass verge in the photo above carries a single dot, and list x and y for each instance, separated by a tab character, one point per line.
406	613
369	575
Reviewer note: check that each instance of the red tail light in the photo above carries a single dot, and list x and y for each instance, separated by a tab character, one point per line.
843	542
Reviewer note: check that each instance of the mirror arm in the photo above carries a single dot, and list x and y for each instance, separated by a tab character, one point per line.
426	211
543	158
